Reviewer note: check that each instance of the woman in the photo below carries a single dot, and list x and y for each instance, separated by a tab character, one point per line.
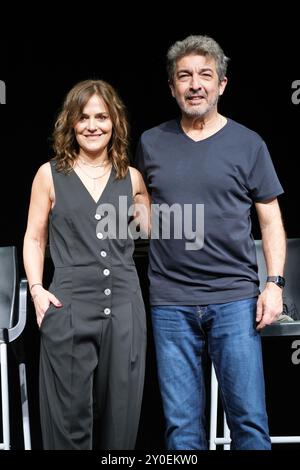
92	318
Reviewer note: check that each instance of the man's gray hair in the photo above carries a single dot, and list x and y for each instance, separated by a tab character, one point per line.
202	45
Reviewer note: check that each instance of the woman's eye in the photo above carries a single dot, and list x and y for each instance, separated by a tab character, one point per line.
102	118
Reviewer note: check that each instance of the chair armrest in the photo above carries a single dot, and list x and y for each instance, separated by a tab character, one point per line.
14	333
282	329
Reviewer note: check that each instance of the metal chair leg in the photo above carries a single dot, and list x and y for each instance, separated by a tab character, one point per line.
25	410
5	399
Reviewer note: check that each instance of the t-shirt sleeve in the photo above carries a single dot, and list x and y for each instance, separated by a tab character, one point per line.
141	161
263	181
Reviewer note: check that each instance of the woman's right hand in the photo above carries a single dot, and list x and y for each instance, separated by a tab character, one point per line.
42	299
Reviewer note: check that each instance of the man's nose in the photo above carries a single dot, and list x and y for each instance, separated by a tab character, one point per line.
195	82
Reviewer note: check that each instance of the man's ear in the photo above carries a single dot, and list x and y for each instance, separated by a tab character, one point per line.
170	82
222	85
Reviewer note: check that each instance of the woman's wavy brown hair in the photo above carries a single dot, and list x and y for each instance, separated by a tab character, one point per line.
64	141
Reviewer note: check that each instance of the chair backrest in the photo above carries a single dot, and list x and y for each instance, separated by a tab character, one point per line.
292	270
8	283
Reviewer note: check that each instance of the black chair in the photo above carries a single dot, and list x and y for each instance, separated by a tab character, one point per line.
13	304
291	295
277	329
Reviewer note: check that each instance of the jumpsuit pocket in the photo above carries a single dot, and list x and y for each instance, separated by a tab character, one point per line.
63	295
138	328
57	312
47	312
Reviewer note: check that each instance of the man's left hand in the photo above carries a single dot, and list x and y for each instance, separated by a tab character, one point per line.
269	305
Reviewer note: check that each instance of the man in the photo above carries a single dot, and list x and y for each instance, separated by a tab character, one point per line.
207	294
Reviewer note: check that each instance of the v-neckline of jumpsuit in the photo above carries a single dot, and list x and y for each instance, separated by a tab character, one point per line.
87	191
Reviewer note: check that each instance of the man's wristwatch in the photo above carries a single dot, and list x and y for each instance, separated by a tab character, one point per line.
278	280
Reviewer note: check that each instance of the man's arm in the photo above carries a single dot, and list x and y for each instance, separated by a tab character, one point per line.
270	305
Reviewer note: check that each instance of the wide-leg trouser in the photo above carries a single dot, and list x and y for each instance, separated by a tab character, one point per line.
87	362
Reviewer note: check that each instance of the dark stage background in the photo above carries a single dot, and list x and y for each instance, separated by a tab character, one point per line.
41	68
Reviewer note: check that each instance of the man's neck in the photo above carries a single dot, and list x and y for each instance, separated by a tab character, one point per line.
200	128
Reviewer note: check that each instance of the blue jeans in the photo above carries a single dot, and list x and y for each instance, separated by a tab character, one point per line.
181	334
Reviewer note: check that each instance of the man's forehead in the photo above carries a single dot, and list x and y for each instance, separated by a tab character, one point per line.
196	60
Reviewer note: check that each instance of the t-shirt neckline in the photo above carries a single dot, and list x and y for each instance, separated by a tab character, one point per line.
197	142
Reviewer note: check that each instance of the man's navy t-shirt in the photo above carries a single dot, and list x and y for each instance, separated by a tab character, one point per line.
225	172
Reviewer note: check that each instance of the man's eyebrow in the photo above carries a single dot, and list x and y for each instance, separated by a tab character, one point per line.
204	69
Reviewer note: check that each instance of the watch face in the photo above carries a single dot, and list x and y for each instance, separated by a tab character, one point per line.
280	281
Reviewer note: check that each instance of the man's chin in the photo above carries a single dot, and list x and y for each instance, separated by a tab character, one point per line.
195	113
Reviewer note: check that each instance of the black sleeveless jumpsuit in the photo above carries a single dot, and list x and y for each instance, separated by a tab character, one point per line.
93	347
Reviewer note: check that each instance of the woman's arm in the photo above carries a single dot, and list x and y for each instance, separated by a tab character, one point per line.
142	202
35	239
